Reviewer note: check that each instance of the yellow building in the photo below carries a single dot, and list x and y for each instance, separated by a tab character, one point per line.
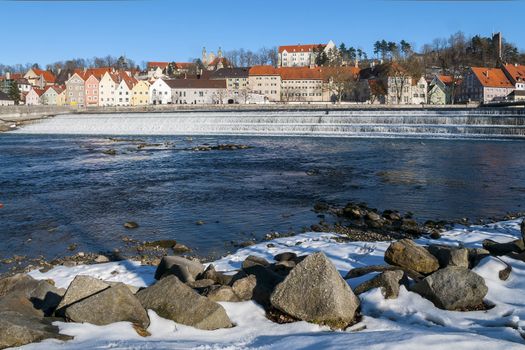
61	97
140	93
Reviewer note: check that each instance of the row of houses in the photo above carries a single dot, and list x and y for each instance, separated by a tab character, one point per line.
295	79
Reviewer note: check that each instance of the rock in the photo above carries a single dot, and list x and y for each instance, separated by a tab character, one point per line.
131	225
164	243
373	216
20	304
218	277
391	215
449	256
266	280
361	271
201	284
114	304
180	248
42	294
286	256
253	260
453	288
498	249
405	253
244	287
246	244
110	152
388	281
80	288
284	267
315	292
186	270
475	255
410	226
17	329
172	299
199	222
101	259
522	228
222	293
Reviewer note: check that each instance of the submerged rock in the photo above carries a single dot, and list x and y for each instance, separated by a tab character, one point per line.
406	253
314	291
453	288
172	299
131	225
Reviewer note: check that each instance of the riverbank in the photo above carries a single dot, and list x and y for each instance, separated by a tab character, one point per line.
389	317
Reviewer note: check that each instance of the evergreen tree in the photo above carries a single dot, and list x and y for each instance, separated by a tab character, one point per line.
14	92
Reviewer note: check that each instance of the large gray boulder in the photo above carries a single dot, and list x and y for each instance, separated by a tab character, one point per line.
388	281
222	293
450	256
522	228
405	253
172	299
80	288
314	291
114	304
42	294
17	329
186	270
453	288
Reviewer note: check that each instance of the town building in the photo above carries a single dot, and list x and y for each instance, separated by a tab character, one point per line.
302	55
107	86
160	92
302	84
75	91
516	74
199	91
212	62
5	100
40	78
236	83
123	93
485	85
33	97
156	70
50	95
140	93
266	82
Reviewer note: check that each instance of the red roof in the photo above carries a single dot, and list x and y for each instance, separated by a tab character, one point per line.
183	65
161	65
492	77
264	70
300	73
300	48
47	75
39	92
516	72
446	79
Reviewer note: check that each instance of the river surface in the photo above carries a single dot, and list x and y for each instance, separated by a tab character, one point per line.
59	190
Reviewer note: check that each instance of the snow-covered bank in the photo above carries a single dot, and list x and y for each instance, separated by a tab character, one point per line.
408	322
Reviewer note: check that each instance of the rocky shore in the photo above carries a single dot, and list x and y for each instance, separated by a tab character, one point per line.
289	287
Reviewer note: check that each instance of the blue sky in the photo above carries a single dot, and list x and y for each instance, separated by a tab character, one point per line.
47	31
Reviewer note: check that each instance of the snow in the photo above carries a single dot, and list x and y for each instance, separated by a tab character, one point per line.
408	322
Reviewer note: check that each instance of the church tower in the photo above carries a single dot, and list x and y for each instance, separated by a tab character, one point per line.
204	56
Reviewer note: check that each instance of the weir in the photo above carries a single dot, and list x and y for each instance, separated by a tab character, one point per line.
469	123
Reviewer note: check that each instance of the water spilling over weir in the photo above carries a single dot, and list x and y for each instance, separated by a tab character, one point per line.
468	123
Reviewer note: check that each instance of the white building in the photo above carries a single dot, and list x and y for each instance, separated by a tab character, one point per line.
266	82
123	92
404	89
107	86
302	55
160	92
199	92
33	97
